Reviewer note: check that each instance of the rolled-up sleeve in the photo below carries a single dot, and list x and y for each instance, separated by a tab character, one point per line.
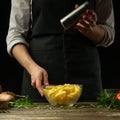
18	24
105	13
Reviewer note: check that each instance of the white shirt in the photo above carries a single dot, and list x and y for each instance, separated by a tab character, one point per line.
21	14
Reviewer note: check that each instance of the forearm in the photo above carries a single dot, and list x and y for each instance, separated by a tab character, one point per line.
21	54
96	34
105	14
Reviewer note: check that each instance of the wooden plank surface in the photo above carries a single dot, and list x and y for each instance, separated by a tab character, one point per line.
58	113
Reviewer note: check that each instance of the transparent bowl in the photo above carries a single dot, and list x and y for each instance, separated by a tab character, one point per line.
111	91
60	95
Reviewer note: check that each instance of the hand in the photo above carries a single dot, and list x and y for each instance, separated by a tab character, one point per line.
39	78
87	21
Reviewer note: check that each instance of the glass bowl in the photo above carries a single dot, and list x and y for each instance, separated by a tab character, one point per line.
59	95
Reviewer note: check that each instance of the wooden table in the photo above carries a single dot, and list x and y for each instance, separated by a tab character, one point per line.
47	112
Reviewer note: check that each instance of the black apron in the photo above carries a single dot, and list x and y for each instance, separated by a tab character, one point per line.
68	56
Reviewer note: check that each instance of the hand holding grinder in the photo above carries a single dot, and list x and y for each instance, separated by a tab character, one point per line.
72	18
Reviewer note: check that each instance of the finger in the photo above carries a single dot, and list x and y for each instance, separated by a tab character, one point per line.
85	24
40	87
44	80
45	77
88	20
33	83
80	27
92	14
37	83
76	5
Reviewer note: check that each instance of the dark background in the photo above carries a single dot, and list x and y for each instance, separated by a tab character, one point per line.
110	57
11	71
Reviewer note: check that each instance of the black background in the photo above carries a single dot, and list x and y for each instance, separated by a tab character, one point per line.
11	71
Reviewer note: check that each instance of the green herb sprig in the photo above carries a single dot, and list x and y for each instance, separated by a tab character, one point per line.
108	100
21	103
